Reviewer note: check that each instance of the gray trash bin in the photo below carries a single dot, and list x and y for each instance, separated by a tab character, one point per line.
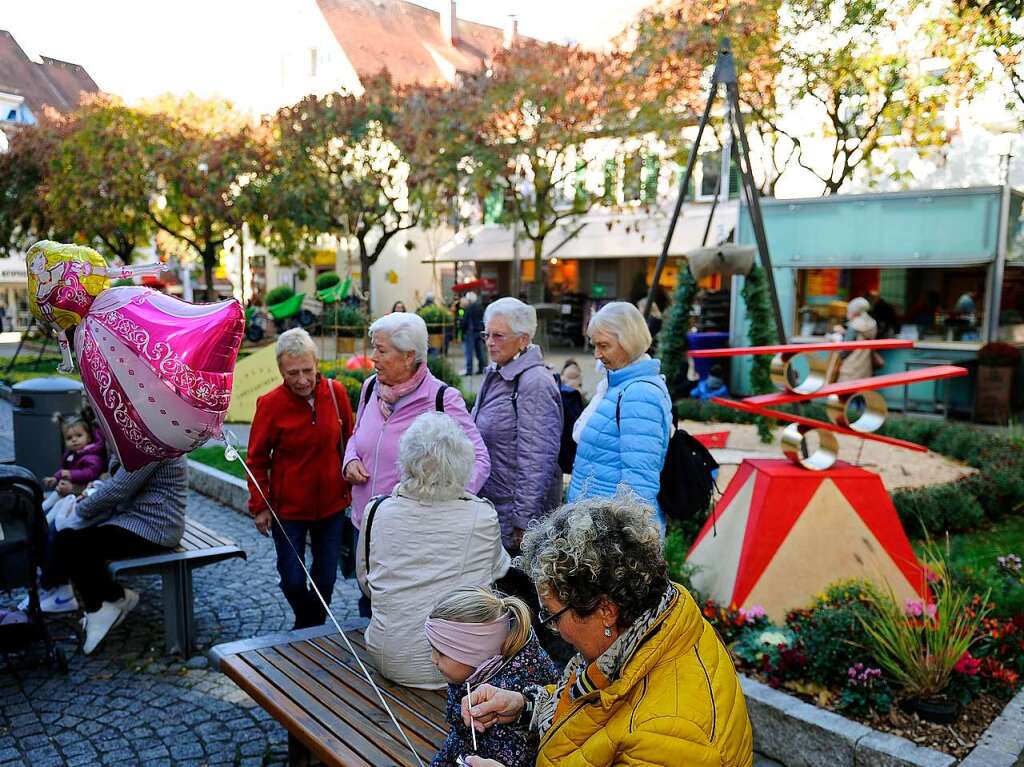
37	405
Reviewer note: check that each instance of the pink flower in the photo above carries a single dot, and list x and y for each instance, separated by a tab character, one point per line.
930	609
752	614
967	665
914	608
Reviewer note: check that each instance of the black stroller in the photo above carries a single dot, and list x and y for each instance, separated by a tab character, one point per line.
22	538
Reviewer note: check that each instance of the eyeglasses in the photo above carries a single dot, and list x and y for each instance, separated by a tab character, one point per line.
550	620
496	337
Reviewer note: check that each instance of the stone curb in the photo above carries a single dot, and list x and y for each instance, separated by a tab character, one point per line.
222	487
801	735
1002	745
785	728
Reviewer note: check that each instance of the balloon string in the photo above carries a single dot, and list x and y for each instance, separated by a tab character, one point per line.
231	454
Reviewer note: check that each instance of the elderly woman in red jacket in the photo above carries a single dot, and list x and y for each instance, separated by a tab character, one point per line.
295	446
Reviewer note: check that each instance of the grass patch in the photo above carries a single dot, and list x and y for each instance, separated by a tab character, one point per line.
27	368
213	455
971	558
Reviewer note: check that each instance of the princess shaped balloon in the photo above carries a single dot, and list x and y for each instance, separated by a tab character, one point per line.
157	370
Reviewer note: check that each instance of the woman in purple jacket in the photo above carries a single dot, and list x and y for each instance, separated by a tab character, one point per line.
390	401
519	414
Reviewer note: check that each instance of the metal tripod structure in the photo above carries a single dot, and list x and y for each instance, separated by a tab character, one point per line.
725	74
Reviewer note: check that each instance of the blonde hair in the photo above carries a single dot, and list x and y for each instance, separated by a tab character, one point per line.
624	321
476	604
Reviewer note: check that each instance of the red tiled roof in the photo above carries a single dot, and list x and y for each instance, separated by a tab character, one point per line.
53	83
406	39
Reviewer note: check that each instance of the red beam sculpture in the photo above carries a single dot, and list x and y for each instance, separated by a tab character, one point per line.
825	346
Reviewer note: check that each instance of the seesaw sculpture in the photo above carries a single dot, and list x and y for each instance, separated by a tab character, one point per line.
787	528
854	408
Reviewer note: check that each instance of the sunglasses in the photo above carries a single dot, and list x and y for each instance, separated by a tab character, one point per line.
550	620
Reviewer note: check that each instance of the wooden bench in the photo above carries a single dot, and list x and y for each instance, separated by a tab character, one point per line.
199	547
309	682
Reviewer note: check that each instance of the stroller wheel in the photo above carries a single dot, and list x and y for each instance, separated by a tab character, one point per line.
60	660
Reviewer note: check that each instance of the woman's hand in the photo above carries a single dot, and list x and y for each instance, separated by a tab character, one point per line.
65	474
491	706
49	483
64	488
262	521
356	473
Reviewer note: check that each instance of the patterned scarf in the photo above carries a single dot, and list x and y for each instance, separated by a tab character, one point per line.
389	394
580	678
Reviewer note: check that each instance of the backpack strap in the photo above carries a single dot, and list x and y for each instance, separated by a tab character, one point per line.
515	393
370	383
439	399
618	402
368	525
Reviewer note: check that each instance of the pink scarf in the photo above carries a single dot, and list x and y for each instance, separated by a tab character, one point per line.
388	395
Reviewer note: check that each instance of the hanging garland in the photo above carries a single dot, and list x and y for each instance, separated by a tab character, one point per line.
672	339
761	330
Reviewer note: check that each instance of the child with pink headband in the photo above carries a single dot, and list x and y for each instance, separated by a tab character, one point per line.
480	636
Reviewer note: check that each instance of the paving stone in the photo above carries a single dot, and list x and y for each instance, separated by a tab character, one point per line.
127	705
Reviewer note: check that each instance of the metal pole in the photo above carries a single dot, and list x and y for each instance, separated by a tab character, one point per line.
683	186
754	203
516	263
999	267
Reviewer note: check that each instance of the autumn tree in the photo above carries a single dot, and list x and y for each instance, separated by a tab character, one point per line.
24	213
98	182
361	168
538	129
207	165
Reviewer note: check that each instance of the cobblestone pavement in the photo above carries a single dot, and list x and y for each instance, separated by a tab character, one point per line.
129	703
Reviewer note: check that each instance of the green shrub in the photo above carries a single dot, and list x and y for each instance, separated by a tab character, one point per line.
124	283
824	631
327	280
279	294
470	398
443	370
938	509
434	314
349	320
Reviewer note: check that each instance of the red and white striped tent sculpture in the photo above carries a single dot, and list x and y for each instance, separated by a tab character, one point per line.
781	534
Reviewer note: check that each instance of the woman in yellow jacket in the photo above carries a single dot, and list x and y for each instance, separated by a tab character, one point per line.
652	683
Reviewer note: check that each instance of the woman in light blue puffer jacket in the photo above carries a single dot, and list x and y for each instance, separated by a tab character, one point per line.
623	434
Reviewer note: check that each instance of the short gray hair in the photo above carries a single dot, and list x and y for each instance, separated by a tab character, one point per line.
408	332
435	458
521	318
858	306
295	342
626	323
599	547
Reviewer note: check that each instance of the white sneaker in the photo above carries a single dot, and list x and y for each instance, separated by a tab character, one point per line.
110	614
126	604
58	600
98	624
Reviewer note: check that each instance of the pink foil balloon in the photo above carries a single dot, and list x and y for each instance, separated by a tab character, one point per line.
158	370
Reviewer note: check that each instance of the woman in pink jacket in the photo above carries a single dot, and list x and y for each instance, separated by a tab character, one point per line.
390	401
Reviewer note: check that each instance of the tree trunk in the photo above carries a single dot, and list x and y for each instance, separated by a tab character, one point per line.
365	262
209	264
538	262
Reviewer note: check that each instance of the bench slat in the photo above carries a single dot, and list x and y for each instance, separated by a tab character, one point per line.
430	697
322	741
341	693
430	727
310	695
204	535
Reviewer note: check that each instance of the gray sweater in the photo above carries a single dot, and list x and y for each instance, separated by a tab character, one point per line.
149	502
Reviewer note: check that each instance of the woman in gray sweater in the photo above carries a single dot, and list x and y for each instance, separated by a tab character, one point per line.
133	514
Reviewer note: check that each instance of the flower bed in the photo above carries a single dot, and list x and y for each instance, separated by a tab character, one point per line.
856	652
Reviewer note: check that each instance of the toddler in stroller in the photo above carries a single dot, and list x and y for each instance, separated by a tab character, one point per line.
22	537
84	460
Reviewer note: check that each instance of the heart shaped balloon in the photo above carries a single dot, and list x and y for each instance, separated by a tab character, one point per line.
158	370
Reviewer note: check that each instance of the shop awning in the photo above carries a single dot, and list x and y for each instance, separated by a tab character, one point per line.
599	235
932	228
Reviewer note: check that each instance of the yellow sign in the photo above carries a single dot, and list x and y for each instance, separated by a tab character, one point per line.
392	276
324	258
254	376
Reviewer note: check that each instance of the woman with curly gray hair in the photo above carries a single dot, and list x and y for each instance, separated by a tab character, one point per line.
665	689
